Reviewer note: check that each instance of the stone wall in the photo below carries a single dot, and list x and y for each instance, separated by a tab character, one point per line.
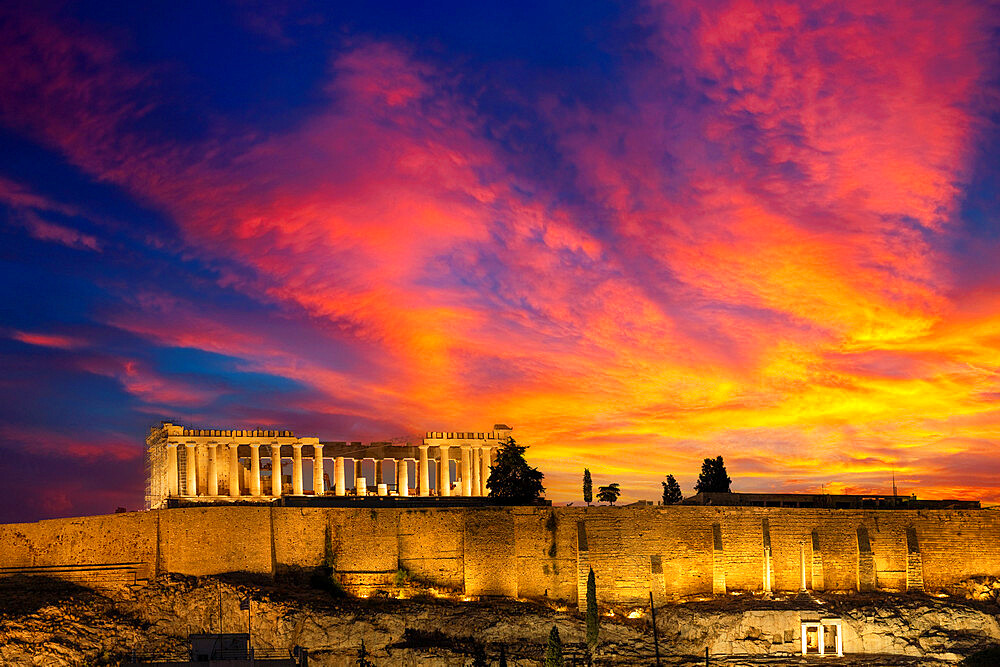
672	552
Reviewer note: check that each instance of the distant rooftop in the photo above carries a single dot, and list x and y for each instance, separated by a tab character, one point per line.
826	500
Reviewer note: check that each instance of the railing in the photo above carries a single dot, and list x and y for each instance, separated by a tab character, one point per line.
96	574
265	653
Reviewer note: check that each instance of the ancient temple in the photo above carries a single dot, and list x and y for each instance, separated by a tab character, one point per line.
227	465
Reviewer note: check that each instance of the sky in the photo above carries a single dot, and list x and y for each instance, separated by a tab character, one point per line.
640	233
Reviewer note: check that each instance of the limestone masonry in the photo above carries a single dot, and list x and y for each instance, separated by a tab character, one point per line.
530	552
242	523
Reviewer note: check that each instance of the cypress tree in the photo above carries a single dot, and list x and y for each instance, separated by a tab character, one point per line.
363	660
592	617
503	656
554	654
671	491
479	656
588	486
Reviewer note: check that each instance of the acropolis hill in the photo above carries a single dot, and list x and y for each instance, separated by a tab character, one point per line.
529	551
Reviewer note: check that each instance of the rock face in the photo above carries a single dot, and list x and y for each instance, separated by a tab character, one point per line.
44	622
919	627
977	588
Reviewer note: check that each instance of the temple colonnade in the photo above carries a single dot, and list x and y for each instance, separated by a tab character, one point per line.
234	464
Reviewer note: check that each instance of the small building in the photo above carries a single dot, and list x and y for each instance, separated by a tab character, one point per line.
824	636
827	501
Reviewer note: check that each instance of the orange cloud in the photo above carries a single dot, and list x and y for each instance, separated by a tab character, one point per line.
754	259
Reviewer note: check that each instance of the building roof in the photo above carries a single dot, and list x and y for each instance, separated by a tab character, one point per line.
826	500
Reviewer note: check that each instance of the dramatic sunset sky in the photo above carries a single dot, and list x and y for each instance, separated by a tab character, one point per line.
640	233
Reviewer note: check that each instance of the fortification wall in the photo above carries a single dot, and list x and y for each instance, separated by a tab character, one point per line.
200	541
432	546
300	538
83	548
535	552
545	553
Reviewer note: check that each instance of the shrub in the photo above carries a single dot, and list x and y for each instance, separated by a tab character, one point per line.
987	657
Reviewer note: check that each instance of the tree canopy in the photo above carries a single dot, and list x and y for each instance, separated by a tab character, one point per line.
588	486
609	493
671	491
713	477
511	478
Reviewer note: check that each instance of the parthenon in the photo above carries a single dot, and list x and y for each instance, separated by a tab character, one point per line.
227	465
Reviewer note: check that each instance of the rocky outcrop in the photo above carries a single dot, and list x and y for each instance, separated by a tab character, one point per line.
43	622
977	588
910	626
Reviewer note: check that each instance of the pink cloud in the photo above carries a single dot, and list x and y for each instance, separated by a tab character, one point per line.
50	231
89	446
17	195
47	340
148	385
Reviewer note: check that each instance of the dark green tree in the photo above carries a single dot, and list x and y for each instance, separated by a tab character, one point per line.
671	491
554	654
713	477
511	478
593	622
479	656
609	493
363	660
503	657
588	487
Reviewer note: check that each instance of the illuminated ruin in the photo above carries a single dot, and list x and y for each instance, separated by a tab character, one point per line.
225	465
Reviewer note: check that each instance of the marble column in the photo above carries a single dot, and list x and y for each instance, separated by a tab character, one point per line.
467	470
275	470
318	469
360	481
255	469
338	476
402	478
484	475
444	480
381	488
191	468
234	470
213	469
172	484
477	469
425	489
297	469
